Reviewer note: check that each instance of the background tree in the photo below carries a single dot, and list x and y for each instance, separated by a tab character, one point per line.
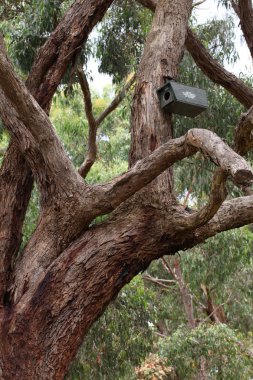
71	268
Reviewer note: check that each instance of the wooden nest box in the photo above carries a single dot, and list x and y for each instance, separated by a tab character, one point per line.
183	100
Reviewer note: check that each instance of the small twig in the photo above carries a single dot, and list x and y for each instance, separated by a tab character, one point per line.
116	101
168	267
159	282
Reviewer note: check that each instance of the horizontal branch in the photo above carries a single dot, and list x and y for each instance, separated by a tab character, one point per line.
145	170
221	154
216	72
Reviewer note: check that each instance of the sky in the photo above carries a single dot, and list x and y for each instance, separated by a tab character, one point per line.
205	11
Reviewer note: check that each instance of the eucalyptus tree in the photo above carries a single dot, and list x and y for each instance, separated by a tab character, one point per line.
71	269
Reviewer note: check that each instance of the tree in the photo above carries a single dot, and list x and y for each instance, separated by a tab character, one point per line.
71	269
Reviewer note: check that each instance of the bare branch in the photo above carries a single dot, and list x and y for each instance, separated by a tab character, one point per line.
221	154
63	46
168	267
92	146
217	196
232	214
217	73
160	282
244	11
95	123
117	100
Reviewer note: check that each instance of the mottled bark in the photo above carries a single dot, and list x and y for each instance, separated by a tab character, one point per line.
244	11
44	78
152	127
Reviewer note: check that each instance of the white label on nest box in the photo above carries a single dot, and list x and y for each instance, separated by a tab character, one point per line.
189	95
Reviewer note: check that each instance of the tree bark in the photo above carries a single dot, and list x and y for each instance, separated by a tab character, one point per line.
43	80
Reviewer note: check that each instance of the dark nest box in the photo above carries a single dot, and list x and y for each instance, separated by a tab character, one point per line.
184	100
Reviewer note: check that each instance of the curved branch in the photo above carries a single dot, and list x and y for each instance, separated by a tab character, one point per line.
221	154
217	196
63	47
33	131
216	72
145	170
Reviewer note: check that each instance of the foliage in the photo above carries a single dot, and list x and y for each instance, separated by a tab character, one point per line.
217	344
34	22
154	368
121	38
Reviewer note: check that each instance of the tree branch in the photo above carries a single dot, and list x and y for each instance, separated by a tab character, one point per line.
160	282
217	73
221	154
95	123
243	133
117	100
244	11
92	145
31	127
217	196
145	170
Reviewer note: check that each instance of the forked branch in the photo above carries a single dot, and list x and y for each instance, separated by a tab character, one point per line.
95	123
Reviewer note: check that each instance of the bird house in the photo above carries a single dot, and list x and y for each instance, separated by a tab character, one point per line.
183	100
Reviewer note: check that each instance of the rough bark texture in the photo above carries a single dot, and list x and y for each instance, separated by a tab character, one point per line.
244	11
82	16
69	271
